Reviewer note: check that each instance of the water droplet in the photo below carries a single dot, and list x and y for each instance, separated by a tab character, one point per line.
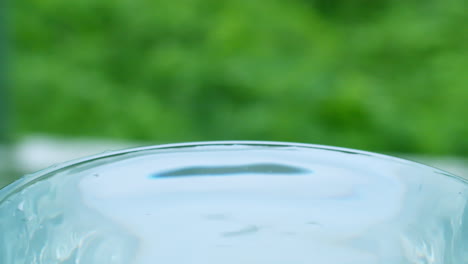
21	206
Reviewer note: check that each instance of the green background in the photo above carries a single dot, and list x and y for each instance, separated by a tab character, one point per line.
385	76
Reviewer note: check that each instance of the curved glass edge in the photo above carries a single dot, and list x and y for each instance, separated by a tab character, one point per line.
27	179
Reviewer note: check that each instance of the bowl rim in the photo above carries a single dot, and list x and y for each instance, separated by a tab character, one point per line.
27	179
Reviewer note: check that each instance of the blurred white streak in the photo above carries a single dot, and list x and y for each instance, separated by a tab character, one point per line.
39	152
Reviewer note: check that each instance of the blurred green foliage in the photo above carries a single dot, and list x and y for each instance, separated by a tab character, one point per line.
378	75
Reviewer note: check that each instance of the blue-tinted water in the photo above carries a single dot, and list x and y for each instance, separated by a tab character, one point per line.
237	204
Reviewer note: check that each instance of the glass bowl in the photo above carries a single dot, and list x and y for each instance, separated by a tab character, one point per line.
236	202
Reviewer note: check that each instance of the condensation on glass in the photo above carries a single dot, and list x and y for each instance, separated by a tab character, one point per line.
236	202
